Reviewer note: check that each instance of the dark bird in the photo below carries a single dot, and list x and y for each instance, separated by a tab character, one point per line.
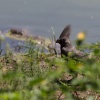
65	43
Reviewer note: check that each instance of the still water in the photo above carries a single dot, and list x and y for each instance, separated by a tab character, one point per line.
39	16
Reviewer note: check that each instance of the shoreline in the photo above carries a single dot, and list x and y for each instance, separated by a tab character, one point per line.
22	35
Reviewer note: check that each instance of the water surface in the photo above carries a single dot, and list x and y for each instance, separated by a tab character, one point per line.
39	16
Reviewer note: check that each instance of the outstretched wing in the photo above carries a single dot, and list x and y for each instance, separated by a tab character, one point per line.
66	32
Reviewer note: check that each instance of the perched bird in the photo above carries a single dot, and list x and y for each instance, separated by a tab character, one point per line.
65	43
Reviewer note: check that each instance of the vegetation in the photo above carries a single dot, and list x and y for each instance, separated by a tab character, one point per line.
40	73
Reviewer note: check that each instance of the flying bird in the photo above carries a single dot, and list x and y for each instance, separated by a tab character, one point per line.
66	45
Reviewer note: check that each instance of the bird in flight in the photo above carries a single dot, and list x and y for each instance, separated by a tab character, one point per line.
66	45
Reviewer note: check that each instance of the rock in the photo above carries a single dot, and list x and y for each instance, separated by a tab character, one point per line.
16	32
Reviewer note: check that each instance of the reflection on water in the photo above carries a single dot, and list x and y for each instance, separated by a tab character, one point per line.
14	45
39	15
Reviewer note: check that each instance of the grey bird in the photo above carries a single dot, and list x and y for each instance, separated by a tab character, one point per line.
65	43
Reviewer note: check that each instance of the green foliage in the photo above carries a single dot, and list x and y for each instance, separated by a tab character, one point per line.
39	76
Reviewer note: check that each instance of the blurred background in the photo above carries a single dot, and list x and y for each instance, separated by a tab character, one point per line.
39	16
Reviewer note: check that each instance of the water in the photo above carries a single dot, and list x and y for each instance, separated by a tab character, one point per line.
39	16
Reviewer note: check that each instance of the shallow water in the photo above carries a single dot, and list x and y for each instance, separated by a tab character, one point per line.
39	16
12	45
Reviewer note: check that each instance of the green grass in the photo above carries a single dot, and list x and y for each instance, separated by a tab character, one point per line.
36	75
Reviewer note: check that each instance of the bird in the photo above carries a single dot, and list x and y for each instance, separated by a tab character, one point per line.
66	46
